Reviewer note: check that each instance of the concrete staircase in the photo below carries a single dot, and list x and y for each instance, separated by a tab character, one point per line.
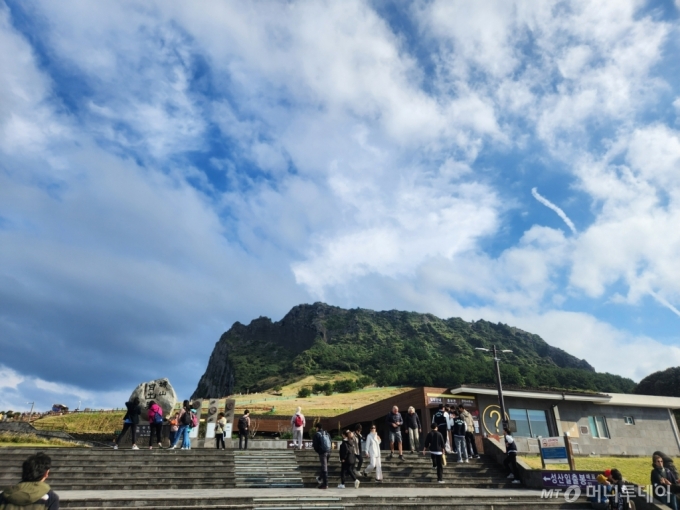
266	469
88	478
108	469
414	471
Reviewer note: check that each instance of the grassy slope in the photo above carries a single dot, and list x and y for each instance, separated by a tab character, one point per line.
13	440
634	469
82	423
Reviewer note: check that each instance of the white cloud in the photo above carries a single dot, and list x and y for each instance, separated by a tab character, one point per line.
9	378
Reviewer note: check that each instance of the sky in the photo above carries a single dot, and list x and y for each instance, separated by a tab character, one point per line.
168	168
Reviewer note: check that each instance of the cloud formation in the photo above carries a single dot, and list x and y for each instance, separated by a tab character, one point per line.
167	169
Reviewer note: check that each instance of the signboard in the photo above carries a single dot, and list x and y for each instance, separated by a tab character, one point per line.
554	450
564	479
466	402
491	419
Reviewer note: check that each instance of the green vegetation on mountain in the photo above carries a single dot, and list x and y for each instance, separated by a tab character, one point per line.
390	348
665	383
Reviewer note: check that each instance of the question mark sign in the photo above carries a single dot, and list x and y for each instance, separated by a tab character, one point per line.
497	419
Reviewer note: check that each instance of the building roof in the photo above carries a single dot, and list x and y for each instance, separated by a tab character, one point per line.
611	399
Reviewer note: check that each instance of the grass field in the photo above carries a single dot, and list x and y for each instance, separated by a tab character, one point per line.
257	403
83	423
633	469
12	439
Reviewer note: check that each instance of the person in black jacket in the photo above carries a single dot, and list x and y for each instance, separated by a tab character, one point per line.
662	480
510	461
436	443
321	444
347	460
358	447
130	421
414	429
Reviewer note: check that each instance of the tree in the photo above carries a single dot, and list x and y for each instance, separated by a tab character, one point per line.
304	392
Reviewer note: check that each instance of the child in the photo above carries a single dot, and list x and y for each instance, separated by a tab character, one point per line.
174	427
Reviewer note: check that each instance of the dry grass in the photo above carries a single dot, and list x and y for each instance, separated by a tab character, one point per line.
83	423
13	439
315	405
633	469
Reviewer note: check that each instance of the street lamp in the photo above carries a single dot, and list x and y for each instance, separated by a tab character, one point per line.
31	413
496	361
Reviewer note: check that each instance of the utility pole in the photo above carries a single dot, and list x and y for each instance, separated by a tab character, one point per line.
31	413
499	385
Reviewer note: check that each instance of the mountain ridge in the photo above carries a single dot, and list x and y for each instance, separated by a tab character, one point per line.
390	347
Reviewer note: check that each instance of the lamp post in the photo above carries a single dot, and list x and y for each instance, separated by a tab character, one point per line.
31	413
499	385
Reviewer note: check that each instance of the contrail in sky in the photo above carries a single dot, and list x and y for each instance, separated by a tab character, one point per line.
550	205
665	303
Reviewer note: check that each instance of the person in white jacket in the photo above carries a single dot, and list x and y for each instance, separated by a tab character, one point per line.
373	451
297	423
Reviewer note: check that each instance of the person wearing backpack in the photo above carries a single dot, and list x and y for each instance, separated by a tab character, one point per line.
243	430
321	442
184	420
155	416
297	422
130	421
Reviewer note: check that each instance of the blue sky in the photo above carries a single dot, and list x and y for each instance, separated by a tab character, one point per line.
167	169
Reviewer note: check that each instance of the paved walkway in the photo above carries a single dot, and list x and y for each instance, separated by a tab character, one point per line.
379	492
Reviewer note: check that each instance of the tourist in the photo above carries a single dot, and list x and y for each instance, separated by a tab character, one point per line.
243	430
184	420
297	423
662	480
668	464
394	422
358	439
449	423
458	432
220	431
510	461
470	443
441	419
435	443
373	451
600	499
130	421
347	460
621	498
32	492
155	416
321	442
414	429
174	427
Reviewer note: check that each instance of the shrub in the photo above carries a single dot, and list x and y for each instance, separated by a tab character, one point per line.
345	386
304	392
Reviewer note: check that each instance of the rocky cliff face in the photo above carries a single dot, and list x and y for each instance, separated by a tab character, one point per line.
284	340
389	347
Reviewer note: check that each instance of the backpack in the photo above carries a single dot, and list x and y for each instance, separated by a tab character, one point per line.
243	423
298	420
158	417
324	441
186	418
194	420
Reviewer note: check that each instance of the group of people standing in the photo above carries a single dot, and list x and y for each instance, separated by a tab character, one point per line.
181	424
450	426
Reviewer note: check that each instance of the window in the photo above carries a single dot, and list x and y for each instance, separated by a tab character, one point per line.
530	422
628	420
598	427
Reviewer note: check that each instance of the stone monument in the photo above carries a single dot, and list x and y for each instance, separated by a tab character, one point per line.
160	391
